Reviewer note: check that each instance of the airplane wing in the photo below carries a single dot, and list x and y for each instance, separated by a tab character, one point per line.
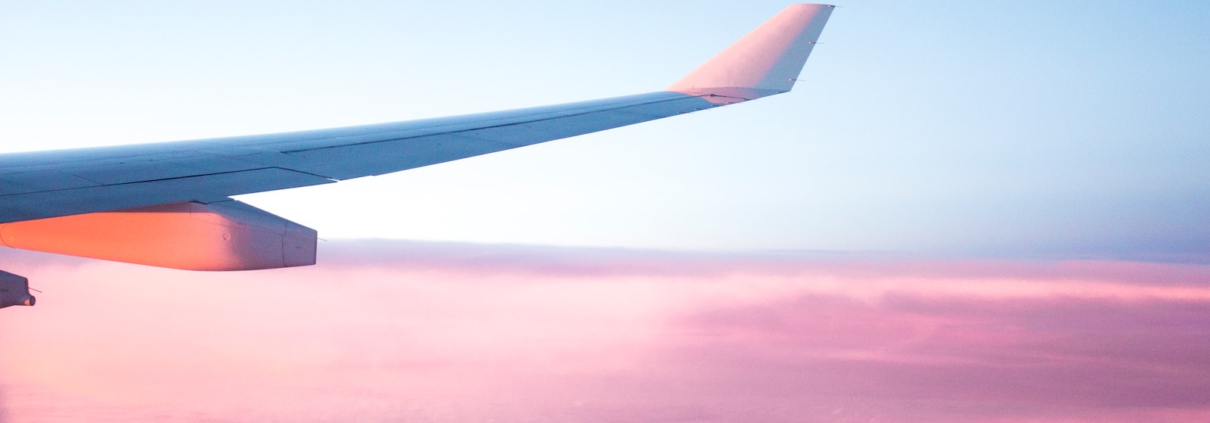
42	192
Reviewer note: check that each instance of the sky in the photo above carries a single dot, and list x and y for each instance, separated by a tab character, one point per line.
965	211
1056	129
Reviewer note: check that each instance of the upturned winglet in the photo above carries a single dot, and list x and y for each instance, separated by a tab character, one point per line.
765	62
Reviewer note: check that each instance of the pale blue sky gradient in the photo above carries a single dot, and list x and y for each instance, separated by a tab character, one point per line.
1070	129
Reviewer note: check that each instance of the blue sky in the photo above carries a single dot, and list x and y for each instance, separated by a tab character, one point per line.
1071	129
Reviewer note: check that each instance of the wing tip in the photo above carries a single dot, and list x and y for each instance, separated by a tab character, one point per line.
768	59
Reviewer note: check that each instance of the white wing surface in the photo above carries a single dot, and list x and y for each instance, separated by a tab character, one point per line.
54	200
60	183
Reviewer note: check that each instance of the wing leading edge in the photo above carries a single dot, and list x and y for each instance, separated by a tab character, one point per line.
54	184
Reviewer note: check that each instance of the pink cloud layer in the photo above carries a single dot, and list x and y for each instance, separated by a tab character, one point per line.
419	332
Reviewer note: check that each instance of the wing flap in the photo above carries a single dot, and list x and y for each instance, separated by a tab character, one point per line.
367	159
125	173
45	204
40	180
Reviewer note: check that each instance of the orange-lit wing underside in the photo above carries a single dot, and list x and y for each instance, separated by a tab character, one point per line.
220	236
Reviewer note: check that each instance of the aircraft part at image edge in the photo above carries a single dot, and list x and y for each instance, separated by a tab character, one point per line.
14	291
223	236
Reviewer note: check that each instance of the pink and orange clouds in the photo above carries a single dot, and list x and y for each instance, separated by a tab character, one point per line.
422	332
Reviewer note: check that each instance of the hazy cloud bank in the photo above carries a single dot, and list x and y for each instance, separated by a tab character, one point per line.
407	331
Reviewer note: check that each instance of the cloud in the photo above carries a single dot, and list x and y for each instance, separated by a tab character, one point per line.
392	330
3	409
1035	353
